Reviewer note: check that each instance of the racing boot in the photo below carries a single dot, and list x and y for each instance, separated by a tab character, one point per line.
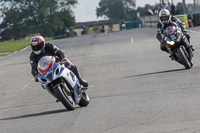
74	69
83	82
192	47
172	57
192	50
163	48
191	63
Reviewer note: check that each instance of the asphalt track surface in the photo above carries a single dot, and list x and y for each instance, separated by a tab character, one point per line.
134	88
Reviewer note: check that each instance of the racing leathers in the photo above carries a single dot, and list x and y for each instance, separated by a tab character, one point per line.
52	50
161	28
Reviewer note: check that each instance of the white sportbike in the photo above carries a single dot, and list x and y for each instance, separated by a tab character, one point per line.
61	83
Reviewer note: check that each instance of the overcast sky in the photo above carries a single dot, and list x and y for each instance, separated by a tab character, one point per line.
86	9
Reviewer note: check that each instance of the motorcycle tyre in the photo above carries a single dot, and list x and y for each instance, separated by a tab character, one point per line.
84	99
183	58
58	91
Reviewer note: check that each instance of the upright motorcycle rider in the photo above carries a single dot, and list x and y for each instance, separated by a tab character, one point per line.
40	49
165	20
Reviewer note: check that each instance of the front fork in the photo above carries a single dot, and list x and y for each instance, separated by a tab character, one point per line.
187	49
174	55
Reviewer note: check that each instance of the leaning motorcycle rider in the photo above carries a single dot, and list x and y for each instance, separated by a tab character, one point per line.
165	20
40	49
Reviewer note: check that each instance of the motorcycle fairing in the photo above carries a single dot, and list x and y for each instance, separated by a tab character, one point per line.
56	71
73	81
50	75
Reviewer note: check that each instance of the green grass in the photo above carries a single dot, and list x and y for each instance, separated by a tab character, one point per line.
12	46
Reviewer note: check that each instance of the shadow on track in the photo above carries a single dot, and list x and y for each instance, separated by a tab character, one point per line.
154	73
37	114
30	105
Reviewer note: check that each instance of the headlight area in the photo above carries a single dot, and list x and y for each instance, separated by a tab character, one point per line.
170	42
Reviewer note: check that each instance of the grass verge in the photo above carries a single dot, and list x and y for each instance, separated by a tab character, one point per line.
12	46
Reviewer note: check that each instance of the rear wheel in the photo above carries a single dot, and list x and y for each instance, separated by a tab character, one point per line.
184	60
63	94
84	99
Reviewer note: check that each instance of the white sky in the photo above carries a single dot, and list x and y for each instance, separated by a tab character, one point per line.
86	9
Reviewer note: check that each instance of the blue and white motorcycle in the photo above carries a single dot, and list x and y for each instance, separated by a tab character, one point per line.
61	83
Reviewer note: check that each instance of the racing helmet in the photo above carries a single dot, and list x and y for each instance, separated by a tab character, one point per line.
37	44
164	16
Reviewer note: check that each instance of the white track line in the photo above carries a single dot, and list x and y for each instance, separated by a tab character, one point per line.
26	85
194	31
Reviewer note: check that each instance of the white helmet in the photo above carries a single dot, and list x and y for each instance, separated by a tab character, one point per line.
164	16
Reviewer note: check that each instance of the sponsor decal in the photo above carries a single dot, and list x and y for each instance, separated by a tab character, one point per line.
73	76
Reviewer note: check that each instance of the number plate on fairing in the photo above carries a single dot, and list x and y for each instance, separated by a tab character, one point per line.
173	37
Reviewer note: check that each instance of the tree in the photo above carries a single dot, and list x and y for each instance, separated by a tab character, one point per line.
115	9
96	29
47	17
179	8
190	8
110	25
184	7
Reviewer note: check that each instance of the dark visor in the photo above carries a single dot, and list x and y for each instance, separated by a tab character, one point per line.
37	47
164	18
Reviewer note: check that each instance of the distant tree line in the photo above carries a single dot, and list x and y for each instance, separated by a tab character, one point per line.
126	10
117	10
51	17
25	17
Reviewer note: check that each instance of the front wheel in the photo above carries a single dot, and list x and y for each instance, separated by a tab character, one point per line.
84	99
184	60
63	94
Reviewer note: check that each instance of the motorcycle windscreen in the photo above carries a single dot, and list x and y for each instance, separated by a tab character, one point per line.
52	74
45	64
171	30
